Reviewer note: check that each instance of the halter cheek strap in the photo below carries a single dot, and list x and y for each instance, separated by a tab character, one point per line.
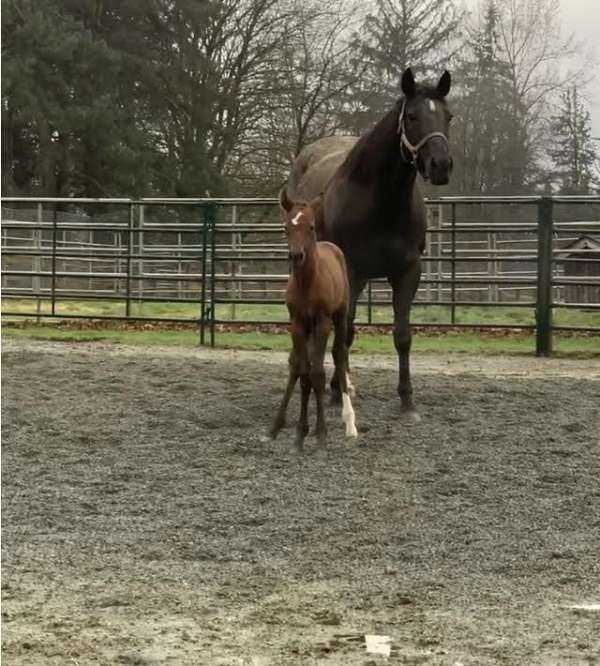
414	150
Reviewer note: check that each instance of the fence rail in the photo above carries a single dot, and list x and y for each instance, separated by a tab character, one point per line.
532	253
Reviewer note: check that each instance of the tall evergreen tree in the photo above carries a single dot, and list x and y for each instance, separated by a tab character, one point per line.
422	34
68	125
491	143
572	150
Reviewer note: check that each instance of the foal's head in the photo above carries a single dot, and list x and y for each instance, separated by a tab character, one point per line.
423	126
299	227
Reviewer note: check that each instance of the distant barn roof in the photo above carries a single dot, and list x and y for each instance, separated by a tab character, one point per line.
584	242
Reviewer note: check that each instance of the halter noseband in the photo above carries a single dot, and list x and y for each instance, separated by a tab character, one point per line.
414	150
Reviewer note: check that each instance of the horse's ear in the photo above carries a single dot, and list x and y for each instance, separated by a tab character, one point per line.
284	201
443	86
408	83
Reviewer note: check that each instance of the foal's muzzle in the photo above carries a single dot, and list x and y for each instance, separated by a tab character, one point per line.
297	257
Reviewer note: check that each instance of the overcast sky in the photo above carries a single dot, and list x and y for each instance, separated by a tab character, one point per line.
582	18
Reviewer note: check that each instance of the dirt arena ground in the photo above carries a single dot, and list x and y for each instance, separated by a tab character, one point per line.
144	520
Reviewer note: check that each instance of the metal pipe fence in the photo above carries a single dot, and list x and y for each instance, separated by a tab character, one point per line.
199	260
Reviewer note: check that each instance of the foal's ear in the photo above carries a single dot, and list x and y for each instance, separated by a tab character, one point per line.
408	83
284	201
443	86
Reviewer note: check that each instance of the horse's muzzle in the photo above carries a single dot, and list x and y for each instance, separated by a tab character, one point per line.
439	170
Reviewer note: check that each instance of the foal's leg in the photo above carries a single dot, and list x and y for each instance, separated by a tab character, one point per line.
356	287
300	340
302	427
294	373
340	359
317	372
404	288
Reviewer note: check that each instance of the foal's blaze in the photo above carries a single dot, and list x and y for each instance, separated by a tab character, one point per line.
300	228
317	296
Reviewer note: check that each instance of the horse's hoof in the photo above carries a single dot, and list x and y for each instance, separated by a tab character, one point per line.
410	417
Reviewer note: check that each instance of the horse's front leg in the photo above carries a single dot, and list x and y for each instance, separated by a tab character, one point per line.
404	288
317	372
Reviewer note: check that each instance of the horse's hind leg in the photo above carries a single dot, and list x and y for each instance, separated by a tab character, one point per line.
404	289
347	409
339	353
356	287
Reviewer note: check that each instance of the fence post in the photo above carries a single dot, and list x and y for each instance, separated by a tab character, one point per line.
440	251
203	288
211	213
141	285
235	289
543	312
129	262
369	303
37	282
54	250
453	268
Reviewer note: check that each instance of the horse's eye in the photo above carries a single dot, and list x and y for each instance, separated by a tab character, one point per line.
411	116
450	117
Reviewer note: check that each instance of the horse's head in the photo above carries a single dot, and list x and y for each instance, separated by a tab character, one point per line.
423	126
300	227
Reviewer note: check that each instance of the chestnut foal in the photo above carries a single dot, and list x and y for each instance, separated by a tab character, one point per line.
317	296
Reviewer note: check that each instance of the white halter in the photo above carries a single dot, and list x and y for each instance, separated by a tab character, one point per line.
414	150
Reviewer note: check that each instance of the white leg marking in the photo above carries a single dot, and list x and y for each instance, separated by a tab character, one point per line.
348	416
350	385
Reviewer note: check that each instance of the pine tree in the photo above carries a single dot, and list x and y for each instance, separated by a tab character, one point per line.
70	125
572	149
490	138
399	33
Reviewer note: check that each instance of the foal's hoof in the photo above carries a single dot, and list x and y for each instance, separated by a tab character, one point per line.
321	439
351	432
410	417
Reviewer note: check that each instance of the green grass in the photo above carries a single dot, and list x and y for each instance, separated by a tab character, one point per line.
463	341
370	344
432	314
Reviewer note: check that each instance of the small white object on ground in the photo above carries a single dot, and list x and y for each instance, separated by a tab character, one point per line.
593	608
381	645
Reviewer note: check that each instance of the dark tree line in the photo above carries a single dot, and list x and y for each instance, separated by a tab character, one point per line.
216	97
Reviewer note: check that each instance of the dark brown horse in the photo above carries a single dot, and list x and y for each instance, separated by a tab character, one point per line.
372	206
317	296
